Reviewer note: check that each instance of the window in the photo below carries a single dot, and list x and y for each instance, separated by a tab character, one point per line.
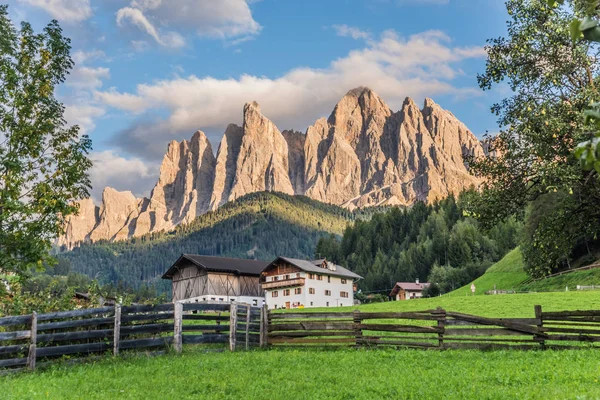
275	278
286	292
319	277
311	290
298	290
298	275
311	276
287	277
274	294
327	304
344	281
344	294
328	279
311	303
328	293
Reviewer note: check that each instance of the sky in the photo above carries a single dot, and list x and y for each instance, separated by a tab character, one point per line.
151	71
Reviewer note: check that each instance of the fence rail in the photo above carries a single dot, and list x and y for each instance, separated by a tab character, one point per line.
27	339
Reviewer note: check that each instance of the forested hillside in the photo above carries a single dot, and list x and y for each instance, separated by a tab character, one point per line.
430	242
260	225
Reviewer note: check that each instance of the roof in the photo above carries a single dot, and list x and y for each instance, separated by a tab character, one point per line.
413	286
314	267
237	266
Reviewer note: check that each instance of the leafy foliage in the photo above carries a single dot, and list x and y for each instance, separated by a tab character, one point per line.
553	83
435	242
43	163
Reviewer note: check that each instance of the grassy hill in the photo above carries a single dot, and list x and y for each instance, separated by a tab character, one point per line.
259	225
506	274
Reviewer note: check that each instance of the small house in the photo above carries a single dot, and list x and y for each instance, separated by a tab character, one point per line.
408	290
205	278
292	283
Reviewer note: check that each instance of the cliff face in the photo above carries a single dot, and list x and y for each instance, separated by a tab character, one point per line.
364	154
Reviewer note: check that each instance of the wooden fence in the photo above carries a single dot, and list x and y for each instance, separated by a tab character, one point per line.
26	339
435	329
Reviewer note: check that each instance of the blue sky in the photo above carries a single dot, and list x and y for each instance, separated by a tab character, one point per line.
151	71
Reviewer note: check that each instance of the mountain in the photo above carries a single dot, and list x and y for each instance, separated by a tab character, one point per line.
260	225
363	155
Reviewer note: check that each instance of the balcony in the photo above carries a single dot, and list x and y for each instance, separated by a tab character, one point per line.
283	283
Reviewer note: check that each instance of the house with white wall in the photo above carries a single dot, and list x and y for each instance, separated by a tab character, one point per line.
408	290
292	283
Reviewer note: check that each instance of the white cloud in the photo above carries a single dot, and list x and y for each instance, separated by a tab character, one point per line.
83	114
64	10
350	31
111	169
167	24
395	67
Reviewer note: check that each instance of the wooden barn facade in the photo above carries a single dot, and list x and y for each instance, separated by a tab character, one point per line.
206	278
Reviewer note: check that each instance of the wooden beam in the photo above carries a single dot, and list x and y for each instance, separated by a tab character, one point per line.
248	327
232	326
31	355
177	327
117	330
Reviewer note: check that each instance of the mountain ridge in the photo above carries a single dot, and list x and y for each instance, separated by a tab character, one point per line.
363	155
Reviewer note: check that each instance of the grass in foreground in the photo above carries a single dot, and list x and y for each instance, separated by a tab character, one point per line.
305	374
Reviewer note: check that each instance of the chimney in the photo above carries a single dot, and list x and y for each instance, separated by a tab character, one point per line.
417	281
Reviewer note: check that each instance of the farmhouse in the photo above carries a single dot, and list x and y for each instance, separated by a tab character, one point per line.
292	283
205	278
408	290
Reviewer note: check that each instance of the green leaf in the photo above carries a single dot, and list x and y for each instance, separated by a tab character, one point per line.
575	30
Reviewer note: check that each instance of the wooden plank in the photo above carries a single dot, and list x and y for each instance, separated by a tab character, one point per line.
489	346
117	330
202	317
18	320
401	315
18	348
310	341
309	326
147	308
214	328
206	307
248	312
149	328
572	330
31	355
145	343
482	332
146	317
75	323
526	321
177	327
233	327
400	328
582	324
310	333
75	313
287	321
573	318
15	335
13	362
506	323
309	315
441	326
357	322
400	343
69	336
485	340
205	339
73	349
575	338
264	326
577	313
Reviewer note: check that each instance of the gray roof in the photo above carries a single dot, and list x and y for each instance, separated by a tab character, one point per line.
312	266
220	264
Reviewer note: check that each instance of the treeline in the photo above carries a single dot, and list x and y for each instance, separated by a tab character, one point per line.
257	226
435	243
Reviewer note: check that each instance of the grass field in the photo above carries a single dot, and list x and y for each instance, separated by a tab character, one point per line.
306	374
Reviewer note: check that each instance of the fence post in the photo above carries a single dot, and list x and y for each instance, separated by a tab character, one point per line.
357	329
441	313
117	330
539	323
178	322
248	310
264	326
232	325
31	355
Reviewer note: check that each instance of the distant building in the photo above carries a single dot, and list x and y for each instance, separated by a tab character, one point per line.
206	278
408	290
293	283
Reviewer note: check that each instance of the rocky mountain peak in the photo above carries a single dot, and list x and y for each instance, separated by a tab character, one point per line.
364	154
